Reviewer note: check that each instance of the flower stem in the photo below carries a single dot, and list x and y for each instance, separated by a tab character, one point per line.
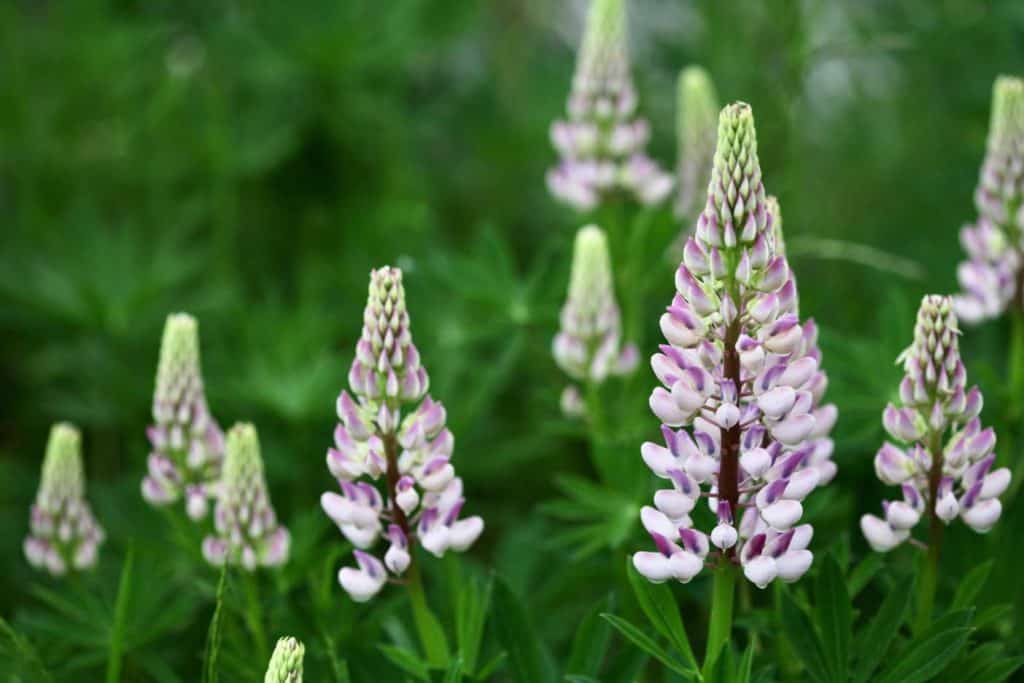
254	616
720	627
929	573
598	431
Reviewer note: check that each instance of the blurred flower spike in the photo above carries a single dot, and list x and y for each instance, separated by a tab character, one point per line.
696	130
63	536
740	389
286	663
422	498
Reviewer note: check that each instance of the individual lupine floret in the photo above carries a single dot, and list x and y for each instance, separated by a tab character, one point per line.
991	277
589	346
247	532
696	129
187	443
939	477
63	536
601	145
422	496
286	663
739	387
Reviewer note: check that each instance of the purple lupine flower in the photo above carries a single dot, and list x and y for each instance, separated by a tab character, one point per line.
696	129
991	277
247	532
944	468
601	145
63	535
422	496
186	441
589	346
740	389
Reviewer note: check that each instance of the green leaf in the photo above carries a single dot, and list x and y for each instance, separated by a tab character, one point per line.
16	648
805	641
117	628
213	633
647	644
454	673
971	585
525	652
406	661
746	665
659	604
930	653
863	573
874	642
590	643
996	671
488	669
834	617
471	604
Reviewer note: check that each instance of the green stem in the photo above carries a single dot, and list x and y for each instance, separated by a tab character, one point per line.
929	574
254	616
427	626
723	592
117	628
1016	361
598	431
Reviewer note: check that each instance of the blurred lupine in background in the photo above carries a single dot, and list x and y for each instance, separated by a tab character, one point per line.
992	277
589	347
696	130
247	532
286	663
187	442
63	536
941	478
602	145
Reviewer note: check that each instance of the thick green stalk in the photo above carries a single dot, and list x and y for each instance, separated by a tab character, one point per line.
254	616
929	573
598	432
723	592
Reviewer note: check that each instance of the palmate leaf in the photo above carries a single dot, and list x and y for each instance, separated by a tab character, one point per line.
407	661
874	641
526	657
472	603
590	643
971	585
801	633
833	619
931	652
19	659
658	603
648	645
600	517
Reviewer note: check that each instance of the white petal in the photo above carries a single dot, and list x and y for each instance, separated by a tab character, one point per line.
760	571
359	585
880	536
793	564
464	533
782	514
983	515
685	565
654	566
675	504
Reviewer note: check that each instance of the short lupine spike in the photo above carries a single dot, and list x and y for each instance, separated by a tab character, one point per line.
935	407
589	346
186	441
247	532
286	663
601	145
696	131
993	274
64	535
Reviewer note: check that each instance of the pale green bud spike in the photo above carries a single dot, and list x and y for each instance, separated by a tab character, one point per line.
63	477
696	122
775	211
591	280
179	357
286	662
603	52
243	465
1006	131
736	193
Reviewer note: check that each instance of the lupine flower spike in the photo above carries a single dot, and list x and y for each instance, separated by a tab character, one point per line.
696	130
422	497
601	145
991	278
63	536
286	663
943	464
187	443
589	346
247	532
740	383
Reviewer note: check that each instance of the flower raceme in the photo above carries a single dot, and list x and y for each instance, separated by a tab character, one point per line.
589	345
286	663
939	478
422	496
740	389
247	532
602	143
63	533
992	275
187	443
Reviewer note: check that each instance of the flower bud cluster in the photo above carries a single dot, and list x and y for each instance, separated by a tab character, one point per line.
286	663
740	389
602	143
247	530
422	497
63	536
589	345
991	276
696	130
187	443
939	477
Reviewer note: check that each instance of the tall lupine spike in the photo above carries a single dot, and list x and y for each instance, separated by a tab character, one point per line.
992	276
740	377
63	535
601	145
286	663
696	130
945	467
422	496
247	532
187	443
589	346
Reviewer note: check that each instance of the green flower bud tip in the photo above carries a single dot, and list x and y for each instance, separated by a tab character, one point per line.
63	477
1006	132
696	126
179	349
775	211
286	662
698	102
242	463
604	40
591	279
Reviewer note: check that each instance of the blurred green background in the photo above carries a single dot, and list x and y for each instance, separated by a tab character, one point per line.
250	162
